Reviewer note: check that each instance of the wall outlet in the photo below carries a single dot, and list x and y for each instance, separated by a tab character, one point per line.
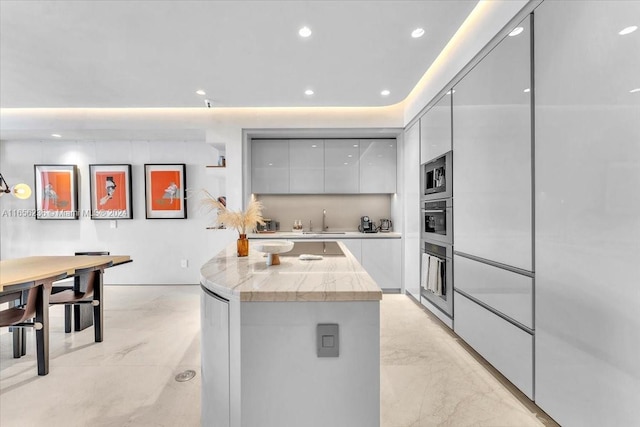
184	263
113	223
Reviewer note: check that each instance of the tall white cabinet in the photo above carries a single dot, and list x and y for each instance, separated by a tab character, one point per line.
435	130
492	173
588	212
411	200
493	209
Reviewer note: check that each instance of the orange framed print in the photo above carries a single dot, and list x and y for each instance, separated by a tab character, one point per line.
110	187
56	191
164	189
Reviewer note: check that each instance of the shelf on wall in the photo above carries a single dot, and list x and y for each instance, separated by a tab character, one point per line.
215	166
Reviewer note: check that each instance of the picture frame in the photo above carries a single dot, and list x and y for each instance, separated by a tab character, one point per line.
56	192
165	191
110	191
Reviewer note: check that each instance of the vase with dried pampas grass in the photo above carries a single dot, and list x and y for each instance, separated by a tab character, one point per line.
240	220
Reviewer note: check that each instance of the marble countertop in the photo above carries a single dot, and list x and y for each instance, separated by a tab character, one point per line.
334	278
289	235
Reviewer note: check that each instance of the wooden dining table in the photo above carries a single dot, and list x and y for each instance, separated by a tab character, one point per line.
38	273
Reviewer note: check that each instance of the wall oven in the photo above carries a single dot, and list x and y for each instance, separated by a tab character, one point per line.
437	221
436	276
436	179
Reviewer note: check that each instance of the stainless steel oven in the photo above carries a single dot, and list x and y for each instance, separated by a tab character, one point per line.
440	292
436	179
437	221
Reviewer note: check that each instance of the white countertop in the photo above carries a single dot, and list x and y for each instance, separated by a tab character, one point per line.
334	278
289	235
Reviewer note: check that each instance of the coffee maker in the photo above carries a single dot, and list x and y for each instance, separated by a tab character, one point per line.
366	225
385	225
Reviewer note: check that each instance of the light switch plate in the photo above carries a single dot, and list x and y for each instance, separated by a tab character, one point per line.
328	340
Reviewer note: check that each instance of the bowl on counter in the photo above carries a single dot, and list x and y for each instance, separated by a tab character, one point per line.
273	248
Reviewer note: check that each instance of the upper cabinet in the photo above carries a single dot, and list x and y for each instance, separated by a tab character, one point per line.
342	166
435	130
378	165
270	166
492	146
317	166
306	166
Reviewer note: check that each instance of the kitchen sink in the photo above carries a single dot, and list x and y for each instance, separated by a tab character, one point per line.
324	232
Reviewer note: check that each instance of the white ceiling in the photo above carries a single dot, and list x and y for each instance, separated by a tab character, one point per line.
63	54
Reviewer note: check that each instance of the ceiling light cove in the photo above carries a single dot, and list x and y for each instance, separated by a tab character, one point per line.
304	32
385	92
516	31
56	135
628	30
417	33
309	92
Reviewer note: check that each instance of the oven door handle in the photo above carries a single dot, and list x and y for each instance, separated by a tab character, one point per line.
434	210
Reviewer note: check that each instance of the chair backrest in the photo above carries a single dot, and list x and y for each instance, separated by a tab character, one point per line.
93	253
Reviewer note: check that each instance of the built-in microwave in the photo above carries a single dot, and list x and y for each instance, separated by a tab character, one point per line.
437	221
436	180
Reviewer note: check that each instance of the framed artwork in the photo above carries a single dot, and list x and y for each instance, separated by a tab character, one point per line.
110	189
164	189
56	191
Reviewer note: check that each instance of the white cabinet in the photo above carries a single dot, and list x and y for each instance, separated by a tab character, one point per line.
342	166
508	348
411	199
505	291
306	166
270	166
492	156
587	128
378	165
435	130
355	247
382	258
215	398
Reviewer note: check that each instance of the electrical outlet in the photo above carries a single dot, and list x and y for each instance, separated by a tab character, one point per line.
184	263
113	223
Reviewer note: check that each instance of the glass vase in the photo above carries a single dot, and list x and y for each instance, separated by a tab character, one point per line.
243	246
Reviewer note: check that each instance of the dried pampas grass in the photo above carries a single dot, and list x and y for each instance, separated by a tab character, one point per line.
239	220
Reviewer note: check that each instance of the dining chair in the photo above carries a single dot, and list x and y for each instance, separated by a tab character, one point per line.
90	295
17	317
79	314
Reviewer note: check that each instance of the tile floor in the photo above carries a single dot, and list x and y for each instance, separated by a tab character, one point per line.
428	378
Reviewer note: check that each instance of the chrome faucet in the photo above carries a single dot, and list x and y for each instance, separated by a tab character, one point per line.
324	218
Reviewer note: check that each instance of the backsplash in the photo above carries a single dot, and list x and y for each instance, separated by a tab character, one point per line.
343	210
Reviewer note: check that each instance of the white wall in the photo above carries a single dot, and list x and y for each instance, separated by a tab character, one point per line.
157	246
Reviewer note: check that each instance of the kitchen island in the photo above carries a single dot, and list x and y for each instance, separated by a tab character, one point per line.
292	344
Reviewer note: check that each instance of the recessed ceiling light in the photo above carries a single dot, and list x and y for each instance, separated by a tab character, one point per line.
385	92
355	145
628	30
56	135
451	91
417	33
201	92
314	146
516	31
636	90
308	92
304	32
527	90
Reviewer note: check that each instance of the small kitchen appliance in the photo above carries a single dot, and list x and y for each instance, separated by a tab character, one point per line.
385	225
366	225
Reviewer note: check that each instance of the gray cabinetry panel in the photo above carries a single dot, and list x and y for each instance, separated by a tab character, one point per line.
270	166
306	166
378	166
342	166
